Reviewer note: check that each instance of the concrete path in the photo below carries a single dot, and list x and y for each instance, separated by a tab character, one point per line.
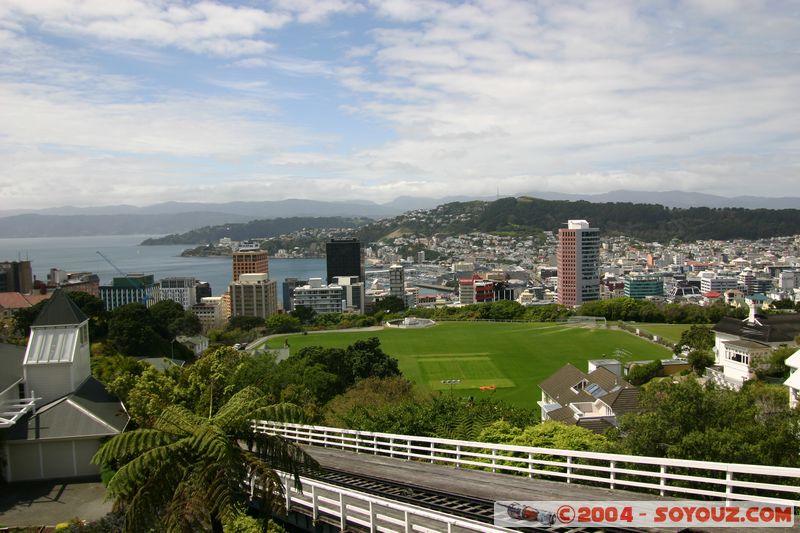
47	503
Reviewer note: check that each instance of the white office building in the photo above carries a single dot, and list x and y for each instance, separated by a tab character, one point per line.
181	290
320	297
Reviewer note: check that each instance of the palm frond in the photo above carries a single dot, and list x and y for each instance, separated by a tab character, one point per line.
177	420
209	442
281	412
130	444
135	474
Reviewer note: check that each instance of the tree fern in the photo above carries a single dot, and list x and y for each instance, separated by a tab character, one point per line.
191	473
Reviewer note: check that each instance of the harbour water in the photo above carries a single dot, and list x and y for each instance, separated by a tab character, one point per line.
78	254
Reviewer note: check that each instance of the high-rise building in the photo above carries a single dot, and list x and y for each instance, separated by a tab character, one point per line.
397	281
250	262
254	295
18	277
578	263
289	285
344	257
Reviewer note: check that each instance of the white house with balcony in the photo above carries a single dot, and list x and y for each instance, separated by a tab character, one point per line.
793	382
739	344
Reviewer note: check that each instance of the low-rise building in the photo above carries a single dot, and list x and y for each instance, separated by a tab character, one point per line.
133	288
320	297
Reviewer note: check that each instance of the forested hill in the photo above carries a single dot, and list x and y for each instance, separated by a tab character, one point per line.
643	221
648	222
256	229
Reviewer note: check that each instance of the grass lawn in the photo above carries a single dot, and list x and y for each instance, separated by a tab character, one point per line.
514	358
670	332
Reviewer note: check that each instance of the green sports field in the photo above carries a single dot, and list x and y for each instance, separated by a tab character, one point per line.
514	358
670	332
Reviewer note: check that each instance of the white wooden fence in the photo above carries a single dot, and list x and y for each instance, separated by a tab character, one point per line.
731	482
346	507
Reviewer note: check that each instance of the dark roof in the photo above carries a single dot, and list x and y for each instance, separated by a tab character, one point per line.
89	411
11	357
606	378
598	425
60	310
559	386
771	328
623	401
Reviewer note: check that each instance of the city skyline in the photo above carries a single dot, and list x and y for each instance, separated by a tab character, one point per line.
138	101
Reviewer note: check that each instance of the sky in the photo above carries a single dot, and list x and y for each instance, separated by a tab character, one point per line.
137	102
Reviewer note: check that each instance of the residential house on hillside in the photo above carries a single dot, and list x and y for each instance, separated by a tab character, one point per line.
591	400
739	344
53	414
793	382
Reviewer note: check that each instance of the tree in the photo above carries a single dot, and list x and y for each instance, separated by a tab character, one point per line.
164	313
282	323
244	323
132	331
24	317
688	421
390	304
188	324
695	338
172	320
305	314
700	360
641	374
189	472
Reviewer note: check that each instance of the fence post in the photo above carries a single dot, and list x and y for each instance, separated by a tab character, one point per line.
374	445
373	527
458	456
433	451
342	512
728	487
612	464
494	461
314	504
391	446
569	469
663	481
530	465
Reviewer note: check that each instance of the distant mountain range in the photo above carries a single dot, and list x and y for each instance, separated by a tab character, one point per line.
178	217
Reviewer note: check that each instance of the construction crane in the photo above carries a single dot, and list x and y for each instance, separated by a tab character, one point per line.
145	298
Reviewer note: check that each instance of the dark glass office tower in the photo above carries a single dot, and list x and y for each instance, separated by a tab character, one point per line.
345	257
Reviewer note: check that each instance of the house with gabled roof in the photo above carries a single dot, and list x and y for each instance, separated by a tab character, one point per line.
738	344
53	414
591	400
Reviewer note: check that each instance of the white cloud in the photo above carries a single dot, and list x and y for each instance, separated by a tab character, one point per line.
495	89
315	11
202	27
